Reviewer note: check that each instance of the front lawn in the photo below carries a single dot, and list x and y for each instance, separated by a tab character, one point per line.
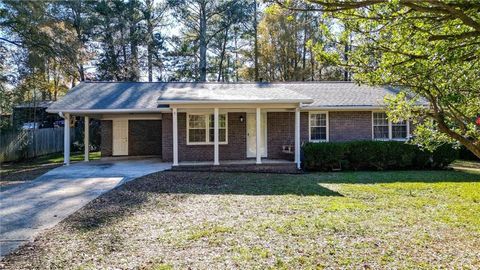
378	220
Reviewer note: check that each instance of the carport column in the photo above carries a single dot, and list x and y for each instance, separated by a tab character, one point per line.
297	137
175	136
66	139
216	160
259	139
86	137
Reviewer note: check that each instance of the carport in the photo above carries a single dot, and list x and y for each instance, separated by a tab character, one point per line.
131	119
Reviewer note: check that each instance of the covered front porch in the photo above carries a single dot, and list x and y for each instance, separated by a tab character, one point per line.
234	134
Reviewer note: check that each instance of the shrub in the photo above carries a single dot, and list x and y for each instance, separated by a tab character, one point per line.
443	156
324	156
374	155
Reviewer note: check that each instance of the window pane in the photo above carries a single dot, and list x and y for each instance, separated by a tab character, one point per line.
380	125
318	120
221	120
196	121
399	130
380	119
318	133
197	135
221	135
222	132
380	132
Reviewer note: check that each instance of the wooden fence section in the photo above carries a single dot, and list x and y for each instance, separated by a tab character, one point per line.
31	143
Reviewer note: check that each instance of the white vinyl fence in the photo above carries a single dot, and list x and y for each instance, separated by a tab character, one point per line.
31	143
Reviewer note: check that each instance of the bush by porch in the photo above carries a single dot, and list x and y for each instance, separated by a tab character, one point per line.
374	155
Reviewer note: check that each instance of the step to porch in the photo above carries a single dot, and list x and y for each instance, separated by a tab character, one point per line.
289	168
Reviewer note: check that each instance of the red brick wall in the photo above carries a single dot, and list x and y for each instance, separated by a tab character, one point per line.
235	149
144	137
281	131
349	126
344	126
106	138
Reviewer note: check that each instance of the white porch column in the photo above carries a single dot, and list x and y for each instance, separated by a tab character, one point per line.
297	137
216	160
86	137
175	136
66	139
259	134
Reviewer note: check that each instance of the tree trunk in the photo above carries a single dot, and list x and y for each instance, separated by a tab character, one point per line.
442	126
149	40
203	42
345	56
134	69
255	32
312	64
304	55
81	71
222	55
236	57
124	53
77	18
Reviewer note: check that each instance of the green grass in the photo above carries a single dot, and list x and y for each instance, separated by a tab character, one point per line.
171	220
57	158
14	173
51	159
175	220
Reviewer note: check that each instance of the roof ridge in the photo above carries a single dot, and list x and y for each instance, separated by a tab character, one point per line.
175	82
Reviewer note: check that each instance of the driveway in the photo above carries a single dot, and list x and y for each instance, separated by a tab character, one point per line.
27	209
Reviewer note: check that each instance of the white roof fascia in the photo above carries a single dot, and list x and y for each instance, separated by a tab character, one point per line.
270	101
342	108
110	110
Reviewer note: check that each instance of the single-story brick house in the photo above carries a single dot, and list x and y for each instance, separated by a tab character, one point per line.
228	122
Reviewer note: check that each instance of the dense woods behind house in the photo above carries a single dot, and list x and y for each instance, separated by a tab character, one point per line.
427	49
49	46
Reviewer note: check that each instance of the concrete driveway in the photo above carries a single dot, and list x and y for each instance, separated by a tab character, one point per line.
27	209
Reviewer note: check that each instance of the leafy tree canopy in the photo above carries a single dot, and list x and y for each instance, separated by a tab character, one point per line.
429	50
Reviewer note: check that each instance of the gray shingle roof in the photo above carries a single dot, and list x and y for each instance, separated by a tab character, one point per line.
109	96
343	94
150	96
230	92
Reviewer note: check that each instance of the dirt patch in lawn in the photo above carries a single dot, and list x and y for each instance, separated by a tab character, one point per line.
225	220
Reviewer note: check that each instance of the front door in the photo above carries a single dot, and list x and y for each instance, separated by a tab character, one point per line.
120	137
252	135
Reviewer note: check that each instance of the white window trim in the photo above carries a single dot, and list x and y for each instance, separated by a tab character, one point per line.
207	132
327	126
390	130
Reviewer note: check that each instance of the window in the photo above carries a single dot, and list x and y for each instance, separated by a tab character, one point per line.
399	130
383	129
380	126
222	128
200	128
318	126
